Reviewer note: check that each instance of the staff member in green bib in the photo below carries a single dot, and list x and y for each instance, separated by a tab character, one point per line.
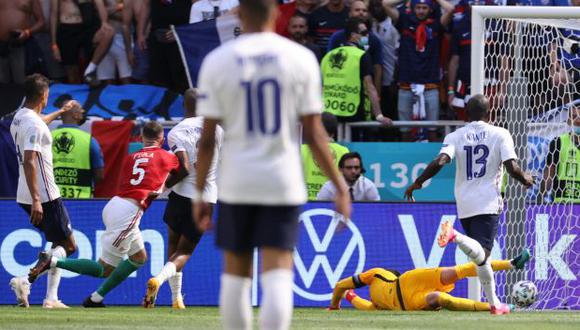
78	160
562	171
347	78
313	175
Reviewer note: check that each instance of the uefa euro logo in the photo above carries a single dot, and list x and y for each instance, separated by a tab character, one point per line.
325	255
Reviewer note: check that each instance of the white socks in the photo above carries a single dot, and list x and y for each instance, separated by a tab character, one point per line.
470	247
485	274
166	272
175	284
53	279
475	252
235	302
277	299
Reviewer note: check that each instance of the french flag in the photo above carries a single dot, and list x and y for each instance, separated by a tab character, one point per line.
197	40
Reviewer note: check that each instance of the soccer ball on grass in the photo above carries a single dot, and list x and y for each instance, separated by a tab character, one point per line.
524	293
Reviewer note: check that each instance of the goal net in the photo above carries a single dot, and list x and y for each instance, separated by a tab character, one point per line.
527	62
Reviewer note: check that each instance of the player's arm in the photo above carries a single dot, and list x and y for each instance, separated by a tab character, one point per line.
516	172
432	169
29	164
205	154
182	172
391	10
317	141
47	119
448	9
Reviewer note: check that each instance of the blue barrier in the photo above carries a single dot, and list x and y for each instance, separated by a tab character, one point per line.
400	236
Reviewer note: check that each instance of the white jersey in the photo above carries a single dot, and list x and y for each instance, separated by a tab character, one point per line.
184	137
259	86
29	132
480	150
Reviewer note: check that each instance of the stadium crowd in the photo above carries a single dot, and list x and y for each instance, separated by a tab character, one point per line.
414	64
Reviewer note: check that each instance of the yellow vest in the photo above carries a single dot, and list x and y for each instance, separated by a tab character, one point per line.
568	172
71	148
313	175
341	83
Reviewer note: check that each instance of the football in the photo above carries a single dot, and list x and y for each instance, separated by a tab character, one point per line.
524	293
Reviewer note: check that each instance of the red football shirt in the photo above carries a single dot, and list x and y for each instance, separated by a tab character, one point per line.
145	171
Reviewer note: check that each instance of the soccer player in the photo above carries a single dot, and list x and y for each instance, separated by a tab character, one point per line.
144	175
37	191
260	87
183	234
418	289
482	150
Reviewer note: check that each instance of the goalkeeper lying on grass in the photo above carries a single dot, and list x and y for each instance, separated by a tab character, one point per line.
417	289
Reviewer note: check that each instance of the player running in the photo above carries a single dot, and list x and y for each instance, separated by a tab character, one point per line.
144	176
482	150
183	234
260	87
417	289
37	191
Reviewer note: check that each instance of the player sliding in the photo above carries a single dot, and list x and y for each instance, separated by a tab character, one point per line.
183	235
481	150
144	174
417	289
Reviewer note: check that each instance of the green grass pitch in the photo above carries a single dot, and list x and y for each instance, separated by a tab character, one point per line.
131	318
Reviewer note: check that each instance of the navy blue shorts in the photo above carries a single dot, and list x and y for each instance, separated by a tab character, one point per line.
241	228
55	222
482	228
179	218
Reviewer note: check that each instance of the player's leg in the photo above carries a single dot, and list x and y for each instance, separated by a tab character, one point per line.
453	274
444	300
277	232
185	247
234	235
169	270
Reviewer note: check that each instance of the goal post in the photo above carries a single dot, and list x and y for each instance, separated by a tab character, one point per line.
527	61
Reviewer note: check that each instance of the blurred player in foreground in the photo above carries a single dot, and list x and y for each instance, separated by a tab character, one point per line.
260	87
482	150
417	289
183	234
145	173
37	191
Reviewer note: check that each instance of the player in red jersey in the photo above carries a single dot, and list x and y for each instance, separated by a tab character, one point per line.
145	174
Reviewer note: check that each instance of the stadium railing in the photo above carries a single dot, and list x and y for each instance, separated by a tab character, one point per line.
345	129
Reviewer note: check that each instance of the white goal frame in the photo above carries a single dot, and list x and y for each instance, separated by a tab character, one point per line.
478	16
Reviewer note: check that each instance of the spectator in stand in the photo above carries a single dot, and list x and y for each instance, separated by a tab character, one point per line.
77	26
165	65
313	174
459	83
54	69
359	187
382	26
203	10
137	55
358	9
419	74
291	9
115	63
326	20
298	29
18	21
347	78
78	160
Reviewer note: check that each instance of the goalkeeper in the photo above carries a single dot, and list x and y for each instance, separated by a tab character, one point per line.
417	289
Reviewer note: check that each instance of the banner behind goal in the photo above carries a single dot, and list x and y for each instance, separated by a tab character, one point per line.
526	60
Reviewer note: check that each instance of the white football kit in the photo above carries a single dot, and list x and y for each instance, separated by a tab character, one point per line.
480	150
184	137
29	132
270	83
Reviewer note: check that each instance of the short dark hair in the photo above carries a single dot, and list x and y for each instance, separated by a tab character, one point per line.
351	26
34	87
152	130
259	9
330	123
350	155
477	107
